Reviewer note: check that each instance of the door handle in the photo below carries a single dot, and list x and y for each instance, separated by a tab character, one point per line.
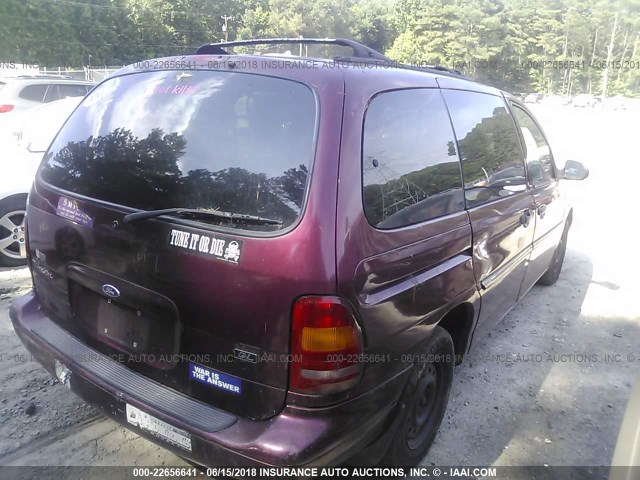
525	218
542	210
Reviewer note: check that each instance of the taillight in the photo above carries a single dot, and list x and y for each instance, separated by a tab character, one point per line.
6	108
326	344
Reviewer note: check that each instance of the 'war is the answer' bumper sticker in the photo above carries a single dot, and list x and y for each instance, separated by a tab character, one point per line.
215	379
217	247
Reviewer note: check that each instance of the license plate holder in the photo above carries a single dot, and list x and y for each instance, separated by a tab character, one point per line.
124	326
140	322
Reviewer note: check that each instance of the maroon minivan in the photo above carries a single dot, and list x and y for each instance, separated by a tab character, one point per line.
278	260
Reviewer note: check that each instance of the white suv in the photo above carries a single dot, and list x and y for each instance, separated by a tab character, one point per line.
19	94
36	130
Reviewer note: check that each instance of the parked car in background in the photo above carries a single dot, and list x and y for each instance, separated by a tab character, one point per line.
617	102
21	93
553	100
282	265
533	98
34	134
632	104
584	100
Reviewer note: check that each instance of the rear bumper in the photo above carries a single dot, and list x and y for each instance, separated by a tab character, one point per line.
295	436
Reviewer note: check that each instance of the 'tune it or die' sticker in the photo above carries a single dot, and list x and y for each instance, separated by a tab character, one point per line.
216	379
216	247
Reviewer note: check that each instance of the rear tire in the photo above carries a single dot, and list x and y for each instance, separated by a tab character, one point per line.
12	239
423	401
552	274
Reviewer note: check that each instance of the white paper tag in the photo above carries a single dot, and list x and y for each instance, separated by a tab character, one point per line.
157	427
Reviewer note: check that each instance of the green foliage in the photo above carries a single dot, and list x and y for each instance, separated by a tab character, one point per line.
512	44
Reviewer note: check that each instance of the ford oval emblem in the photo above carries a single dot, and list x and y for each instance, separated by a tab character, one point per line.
110	291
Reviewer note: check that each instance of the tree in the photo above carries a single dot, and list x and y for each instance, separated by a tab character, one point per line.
511	44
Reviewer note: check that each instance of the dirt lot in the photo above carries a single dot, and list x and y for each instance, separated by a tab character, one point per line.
539	390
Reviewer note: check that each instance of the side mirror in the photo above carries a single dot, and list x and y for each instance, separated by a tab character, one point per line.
574	171
37	146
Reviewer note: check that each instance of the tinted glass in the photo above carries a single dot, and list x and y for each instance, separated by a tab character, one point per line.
68	90
211	140
33	92
492	164
52	94
411	171
540	168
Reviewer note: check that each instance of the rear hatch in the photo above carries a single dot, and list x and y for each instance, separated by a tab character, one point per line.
199	300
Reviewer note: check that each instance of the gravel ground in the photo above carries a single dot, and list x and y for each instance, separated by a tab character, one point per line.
546	387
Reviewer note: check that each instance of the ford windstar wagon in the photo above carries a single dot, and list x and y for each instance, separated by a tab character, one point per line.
278	260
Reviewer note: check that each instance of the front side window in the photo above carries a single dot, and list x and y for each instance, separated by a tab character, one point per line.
226	141
492	164
70	90
540	166
411	171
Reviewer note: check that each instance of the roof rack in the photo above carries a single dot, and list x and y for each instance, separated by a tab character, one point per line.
439	68
394	63
44	75
360	52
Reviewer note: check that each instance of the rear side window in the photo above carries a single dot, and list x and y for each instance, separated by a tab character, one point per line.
34	93
492	163
228	141
411	171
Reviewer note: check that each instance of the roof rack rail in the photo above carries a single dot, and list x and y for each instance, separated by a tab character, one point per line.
404	66
440	68
359	50
44	75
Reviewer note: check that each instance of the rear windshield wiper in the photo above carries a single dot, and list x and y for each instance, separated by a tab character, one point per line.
194	213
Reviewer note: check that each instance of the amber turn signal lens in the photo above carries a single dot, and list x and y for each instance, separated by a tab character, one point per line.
328	339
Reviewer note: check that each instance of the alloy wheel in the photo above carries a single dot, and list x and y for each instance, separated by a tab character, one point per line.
12	235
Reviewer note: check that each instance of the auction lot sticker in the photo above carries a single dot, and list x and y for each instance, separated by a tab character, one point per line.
157	427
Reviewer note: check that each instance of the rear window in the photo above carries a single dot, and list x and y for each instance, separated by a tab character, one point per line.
229	141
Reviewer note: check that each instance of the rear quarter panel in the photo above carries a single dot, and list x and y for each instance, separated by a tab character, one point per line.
403	281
